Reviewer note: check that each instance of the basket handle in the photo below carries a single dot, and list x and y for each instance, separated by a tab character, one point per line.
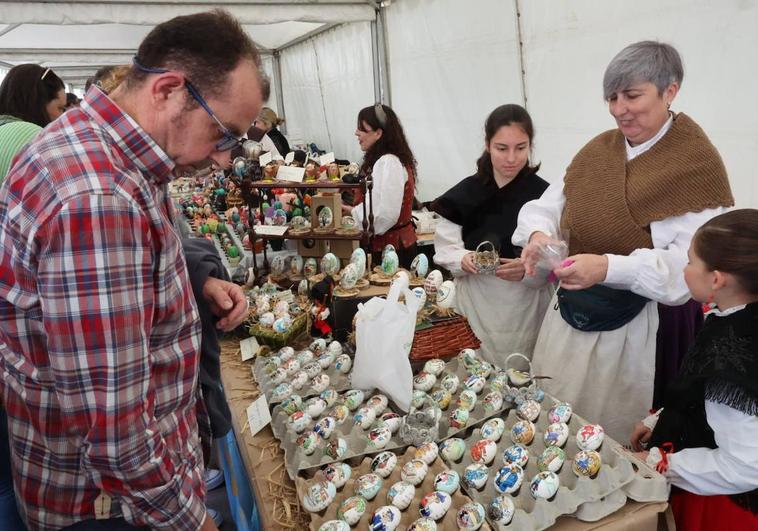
519	355
485	243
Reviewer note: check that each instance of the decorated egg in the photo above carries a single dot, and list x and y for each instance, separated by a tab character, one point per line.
299	223
299	421
385	518
348	223
302	286
318	345
239	166
475	383
387	248
277	265
262	304
492	402
315	406
442	398
325	217
281	391
424	381
353	399
392	420
516	455
308	442
378	403
310	267
470	516
334	525
336	448
334	348
383	464
291	404
522	432
466	400
379	437
501	510
351	510
296	265
365	417
343	363
434	366
305	356
483	451
368	485
435	504
427	452
432	283
330	264
299	380
556	434
267	320
390	263
447	481
359	259
338	473
469	358
318	496
590	437
475	476
459	418
291	366
418	399
450	383
493	429
325	427
508	479
544	485
401	494
452	449
414	471
586	463
320	382
341	413
483	369
312	369
423	524
420	294
529	410
446	294
325	360
279	376
499	381
420	265
283	324
551	459
349	277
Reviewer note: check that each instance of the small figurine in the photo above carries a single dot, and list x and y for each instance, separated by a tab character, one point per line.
333	172
322	293
311	172
269	172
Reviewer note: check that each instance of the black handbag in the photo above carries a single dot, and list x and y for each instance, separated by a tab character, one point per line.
599	308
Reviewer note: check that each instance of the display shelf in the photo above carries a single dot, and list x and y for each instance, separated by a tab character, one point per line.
314	236
295	185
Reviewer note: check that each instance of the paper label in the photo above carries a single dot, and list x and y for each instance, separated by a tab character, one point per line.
289	157
271	230
258	415
265	159
290	173
249	347
326	158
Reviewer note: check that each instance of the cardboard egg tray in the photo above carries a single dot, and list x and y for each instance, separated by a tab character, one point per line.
408	516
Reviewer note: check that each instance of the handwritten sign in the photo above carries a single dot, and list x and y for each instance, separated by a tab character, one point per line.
258	415
265	159
326	159
290	173
249	347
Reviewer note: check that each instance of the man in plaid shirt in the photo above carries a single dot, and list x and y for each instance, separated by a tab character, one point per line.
99	331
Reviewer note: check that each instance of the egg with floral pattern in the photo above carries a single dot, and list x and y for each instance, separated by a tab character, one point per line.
379	437
459	418
330	396
452	449
435	366
325	427
442	398
330	264
308	442
492	402
475	383
365	417
334	525
466	400
390	263
424	381
353	399
318	496
341	413
281	391
291	404
423	524
349	277
359	259
529	410
352	509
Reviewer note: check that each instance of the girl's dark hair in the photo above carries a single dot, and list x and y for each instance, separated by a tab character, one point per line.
729	243
509	114
26	91
392	140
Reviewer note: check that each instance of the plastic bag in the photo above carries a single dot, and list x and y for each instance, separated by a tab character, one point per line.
550	256
384	335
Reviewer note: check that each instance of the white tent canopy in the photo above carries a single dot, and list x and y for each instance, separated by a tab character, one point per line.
443	65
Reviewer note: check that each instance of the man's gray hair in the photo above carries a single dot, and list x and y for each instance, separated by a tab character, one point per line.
643	61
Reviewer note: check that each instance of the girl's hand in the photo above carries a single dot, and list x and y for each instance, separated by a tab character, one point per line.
467	263
640	437
511	269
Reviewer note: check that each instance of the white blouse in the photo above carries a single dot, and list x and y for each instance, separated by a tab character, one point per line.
389	183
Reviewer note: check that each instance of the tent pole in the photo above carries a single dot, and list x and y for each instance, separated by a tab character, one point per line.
278	87
520	52
380	60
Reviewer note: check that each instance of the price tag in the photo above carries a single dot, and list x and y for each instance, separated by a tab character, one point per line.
265	159
271	230
290	173
326	159
258	415
249	348
289	157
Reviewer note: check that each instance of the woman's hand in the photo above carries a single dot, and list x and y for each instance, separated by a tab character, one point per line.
347	209
531	253
511	269
467	263
640	436
585	271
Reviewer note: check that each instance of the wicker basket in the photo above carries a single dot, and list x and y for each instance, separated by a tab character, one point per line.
276	340
443	339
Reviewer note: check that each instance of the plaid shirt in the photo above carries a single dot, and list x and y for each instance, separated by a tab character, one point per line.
99	332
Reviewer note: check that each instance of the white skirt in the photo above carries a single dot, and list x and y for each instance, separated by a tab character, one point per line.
504	315
606	376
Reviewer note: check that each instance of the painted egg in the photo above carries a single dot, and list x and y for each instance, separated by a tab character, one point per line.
459	418
483	451
262	304
325	360
379	437
446	294
499	381
368	485
334	525
359	259
518	378
318	496
452	449
590	437
338	473
432	283
544	485
414	471
501	510
296	265
330	396
424	381
299	420
427	452
267	320
274	362
466	400
279	376
281	308
308	442
450	383
492	402
529	410
353	399
239	166
483	369
349	277
385	518
522	432
475	383
320	383
442	398
390	263
299	380
334	348
551	459
291	404
475	476
365	417
508	479
556	434
330	264
343	363
310	267
435	504
387	248
305	356
401	494
302	286
586	463
516	455
318	345
341	413
420	294
325	217
383	464
392	420
315	406
447	481
277	265
351	510
420	265
348	222
423	524
470	516
378	403
493	429
435	366
291	366
283	324
281	391
469	358
418	399
325	427
299	223
336	448
312	369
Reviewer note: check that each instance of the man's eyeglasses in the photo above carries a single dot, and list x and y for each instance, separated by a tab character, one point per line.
230	140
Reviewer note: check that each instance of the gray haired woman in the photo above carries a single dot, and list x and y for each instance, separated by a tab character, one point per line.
629	203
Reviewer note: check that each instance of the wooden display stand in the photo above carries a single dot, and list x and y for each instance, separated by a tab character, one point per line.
334	202
343	249
315	248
